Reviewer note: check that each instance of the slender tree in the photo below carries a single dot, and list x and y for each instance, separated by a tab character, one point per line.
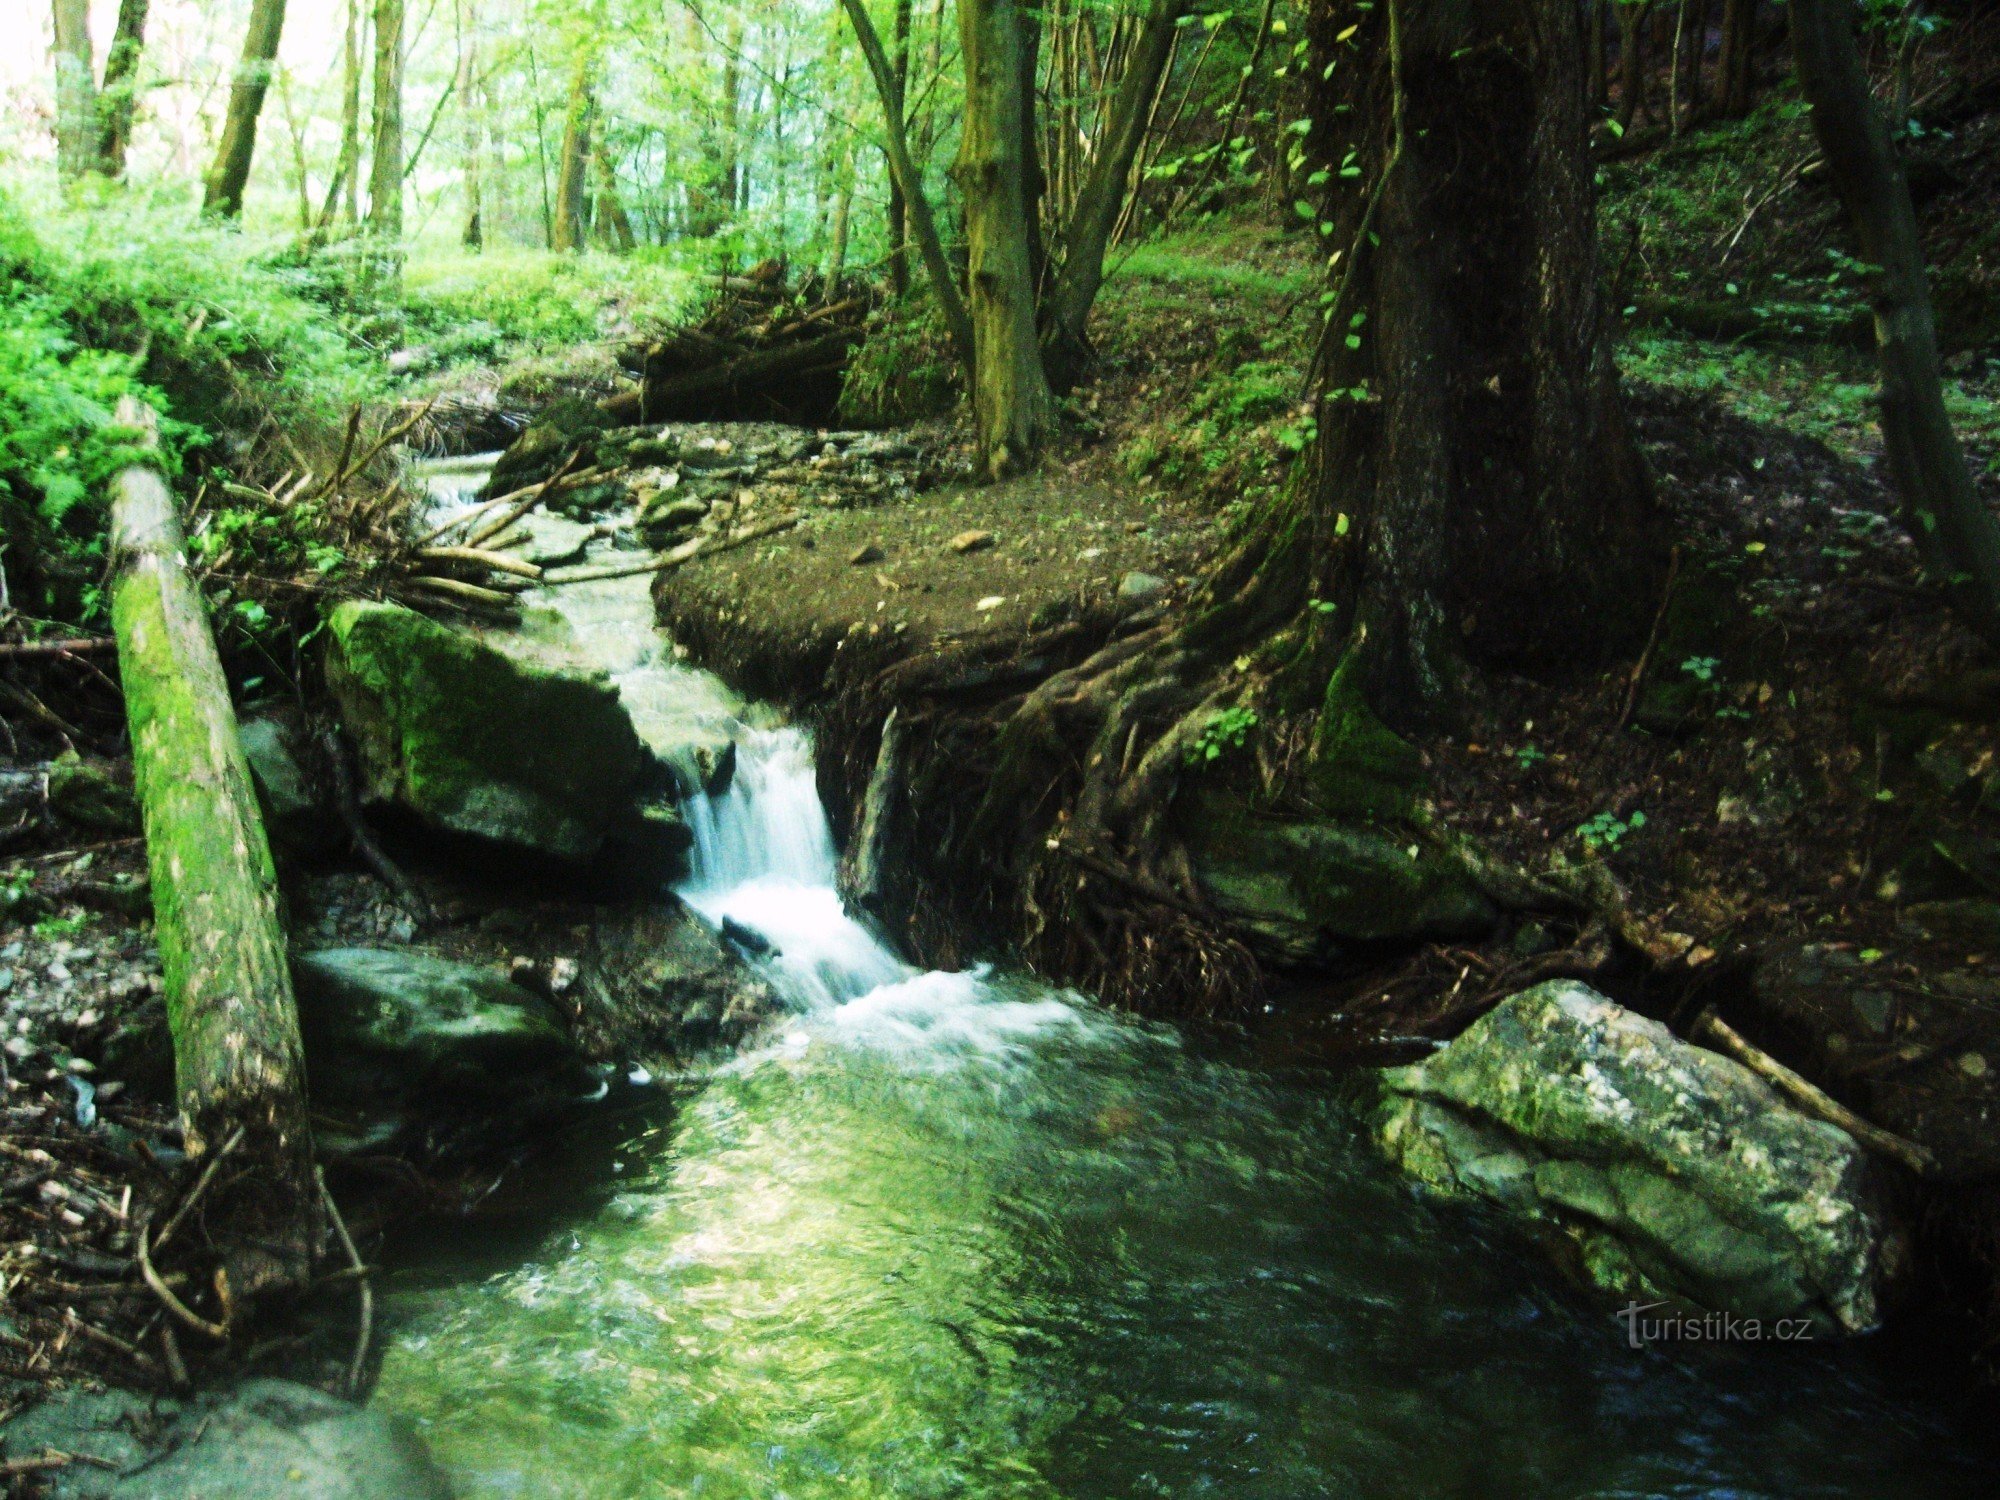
385	168
472	125
233	154
76	90
899	209
117	102
1956	533
572	186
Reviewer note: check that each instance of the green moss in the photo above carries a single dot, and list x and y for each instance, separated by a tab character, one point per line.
479	740
1359	765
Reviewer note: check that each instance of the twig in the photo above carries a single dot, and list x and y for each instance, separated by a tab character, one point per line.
217	1331
528	502
1652	641
477	557
461	592
30	650
684	553
349	803
394	434
367	1291
201	1186
1809	1097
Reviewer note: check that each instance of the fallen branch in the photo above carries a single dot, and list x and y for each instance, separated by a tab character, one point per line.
359	1270
530	499
686	552
34	650
1810	1098
217	1331
477	557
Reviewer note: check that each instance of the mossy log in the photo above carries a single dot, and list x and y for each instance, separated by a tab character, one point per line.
238	1059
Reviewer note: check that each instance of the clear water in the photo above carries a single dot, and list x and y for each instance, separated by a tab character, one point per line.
959	1235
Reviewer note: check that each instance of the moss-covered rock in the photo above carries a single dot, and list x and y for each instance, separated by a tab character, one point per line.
1304	890
480	739
544	443
293	803
1677	1171
1360	767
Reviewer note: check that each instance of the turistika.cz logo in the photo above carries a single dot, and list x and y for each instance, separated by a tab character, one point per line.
1645	1324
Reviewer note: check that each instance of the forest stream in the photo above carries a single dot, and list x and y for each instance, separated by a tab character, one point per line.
964	1234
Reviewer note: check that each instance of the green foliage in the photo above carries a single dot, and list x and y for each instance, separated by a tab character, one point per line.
467	306
906	371
1606	830
1229	729
130	296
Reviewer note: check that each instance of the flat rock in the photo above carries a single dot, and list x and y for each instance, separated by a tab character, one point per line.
1140	588
252	1441
971	541
863	555
1677	1172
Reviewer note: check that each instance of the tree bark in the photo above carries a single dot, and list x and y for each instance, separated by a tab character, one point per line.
385	167
1066	345
117	101
944	284
238	1060
1013	407
1632	16
899	214
231	172
76	90
1954	531
613	223
472	121
1735	71
343	193
843	210
574	162
1498	512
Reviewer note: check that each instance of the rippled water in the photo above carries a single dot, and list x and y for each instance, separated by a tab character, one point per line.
960	1235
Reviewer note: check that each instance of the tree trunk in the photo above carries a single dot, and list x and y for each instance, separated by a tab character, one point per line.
385	167
1013	407
343	193
1955	532
899	214
238	1060
956	316
1600	72
231	172
613	223
118	101
574	162
843	209
1102	196
472	127
729	162
1498	512
76	90
1631	59
1735	70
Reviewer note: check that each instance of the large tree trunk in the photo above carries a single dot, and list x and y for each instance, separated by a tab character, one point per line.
385	168
76	90
238	1060
613	223
1013	407
118	101
1497	509
1956	533
231	172
571	184
1102	196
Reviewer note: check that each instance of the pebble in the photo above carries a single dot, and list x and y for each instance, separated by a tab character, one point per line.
1134	588
861	556
1972	1065
991	601
971	541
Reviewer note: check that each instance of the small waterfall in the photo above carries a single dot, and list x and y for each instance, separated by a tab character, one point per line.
764	860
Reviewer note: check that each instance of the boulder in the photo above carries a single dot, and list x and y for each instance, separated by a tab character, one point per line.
1140	588
554	541
251	1441
295	812
1678	1173
1305	890
544	443
482	736
655	981
396	1028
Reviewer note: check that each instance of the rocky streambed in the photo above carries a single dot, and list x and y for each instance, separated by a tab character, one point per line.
795	1214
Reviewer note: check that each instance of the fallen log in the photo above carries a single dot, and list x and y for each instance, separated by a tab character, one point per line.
239	1064
766	380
